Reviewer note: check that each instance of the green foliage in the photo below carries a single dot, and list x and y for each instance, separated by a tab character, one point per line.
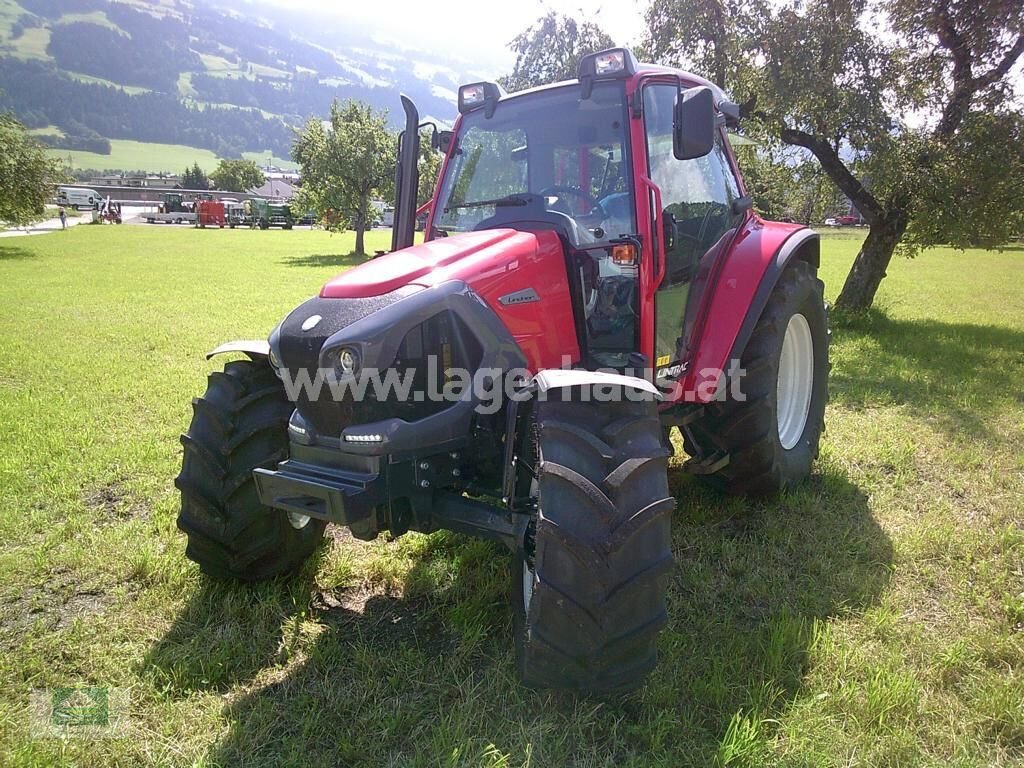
429	168
785	184
27	175
237	175
706	34
345	165
195	178
551	49
974	193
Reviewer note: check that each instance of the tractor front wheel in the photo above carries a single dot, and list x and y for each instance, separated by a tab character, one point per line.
591	577
772	431
240	424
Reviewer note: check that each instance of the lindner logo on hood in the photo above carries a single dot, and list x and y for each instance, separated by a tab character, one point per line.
311	322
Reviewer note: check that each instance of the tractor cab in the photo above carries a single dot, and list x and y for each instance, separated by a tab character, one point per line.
630	166
172	202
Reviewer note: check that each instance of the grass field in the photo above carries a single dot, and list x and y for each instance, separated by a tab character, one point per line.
874	617
95	17
32	44
134	90
140	156
284	163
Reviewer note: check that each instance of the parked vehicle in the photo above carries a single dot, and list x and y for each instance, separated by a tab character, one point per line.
78	197
110	212
848	221
173	209
592	292
235	213
210	213
264	214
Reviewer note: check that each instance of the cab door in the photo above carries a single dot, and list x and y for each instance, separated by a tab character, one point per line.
698	219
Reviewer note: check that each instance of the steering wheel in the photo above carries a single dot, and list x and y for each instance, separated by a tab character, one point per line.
593	206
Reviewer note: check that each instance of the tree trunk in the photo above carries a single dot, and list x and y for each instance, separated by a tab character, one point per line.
869	267
360	229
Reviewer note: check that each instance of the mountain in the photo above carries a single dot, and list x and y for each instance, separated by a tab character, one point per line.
231	78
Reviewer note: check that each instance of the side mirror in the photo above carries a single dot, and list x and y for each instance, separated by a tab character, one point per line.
440	141
693	123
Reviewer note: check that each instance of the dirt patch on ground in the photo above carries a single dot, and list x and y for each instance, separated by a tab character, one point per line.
112	503
51	606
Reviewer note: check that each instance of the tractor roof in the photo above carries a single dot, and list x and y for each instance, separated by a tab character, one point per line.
641	70
603	66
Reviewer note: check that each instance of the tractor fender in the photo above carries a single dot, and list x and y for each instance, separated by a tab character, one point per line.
254	348
751	270
550	380
555	378
803	244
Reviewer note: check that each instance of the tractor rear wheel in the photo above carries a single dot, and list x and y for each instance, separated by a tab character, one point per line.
591	577
772	434
239	424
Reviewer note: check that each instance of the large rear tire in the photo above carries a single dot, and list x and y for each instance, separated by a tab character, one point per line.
591	578
772	435
239	424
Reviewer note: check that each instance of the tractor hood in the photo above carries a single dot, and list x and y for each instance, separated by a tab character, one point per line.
470	256
520	276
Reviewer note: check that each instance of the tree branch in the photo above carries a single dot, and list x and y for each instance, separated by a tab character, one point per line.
995	74
963	75
836	169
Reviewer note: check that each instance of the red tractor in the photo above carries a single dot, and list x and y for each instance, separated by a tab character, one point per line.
592	278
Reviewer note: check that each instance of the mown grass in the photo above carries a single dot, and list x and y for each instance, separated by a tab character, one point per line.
873	617
141	156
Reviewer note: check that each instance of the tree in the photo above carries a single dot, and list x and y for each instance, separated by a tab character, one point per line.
237	176
786	182
27	175
818	75
551	50
429	168
345	165
195	178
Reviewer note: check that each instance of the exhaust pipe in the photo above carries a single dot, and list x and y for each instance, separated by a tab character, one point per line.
407	178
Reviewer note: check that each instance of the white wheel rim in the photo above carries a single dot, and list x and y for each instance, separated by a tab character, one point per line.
298	520
796	379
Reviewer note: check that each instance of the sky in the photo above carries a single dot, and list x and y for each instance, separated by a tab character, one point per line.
477	31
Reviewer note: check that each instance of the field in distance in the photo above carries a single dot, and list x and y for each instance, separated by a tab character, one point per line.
167	158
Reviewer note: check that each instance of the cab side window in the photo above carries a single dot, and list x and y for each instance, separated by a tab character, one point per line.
697	219
696	195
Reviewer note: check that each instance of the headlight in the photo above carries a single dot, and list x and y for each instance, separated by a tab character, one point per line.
348	361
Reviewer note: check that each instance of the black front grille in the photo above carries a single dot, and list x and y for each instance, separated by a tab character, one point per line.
300	350
443	335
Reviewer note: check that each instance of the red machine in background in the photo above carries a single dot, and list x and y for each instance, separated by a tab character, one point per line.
210	213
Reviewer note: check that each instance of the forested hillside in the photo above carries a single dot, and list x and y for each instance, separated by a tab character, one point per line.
88	71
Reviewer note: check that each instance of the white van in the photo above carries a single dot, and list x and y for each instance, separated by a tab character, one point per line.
77	197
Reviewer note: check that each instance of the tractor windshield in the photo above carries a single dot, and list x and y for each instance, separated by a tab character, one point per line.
550	152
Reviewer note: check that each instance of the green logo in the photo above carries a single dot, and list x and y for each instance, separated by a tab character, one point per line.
80	707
